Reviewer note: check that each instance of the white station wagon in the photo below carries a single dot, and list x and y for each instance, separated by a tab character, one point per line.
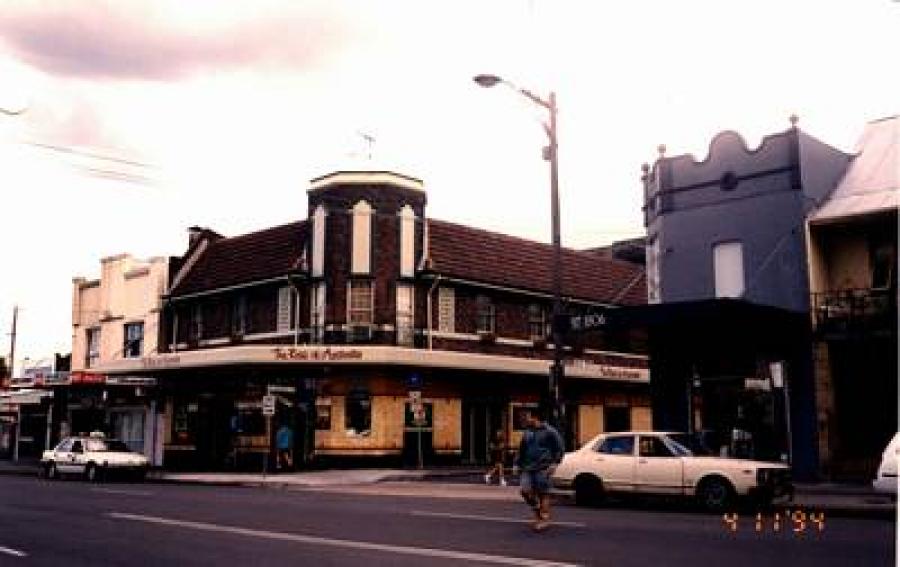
94	457
660	463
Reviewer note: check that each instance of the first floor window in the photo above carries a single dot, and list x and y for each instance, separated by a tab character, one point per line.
239	316
93	347
728	265
317	313
537	324
653	268
361	303
134	340
486	314
404	314
358	412
197	322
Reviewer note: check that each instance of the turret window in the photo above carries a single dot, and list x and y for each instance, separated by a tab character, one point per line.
361	258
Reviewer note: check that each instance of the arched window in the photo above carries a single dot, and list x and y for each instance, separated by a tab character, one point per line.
407	241
361	258
318	242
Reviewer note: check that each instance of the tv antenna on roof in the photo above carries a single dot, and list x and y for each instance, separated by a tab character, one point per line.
370	141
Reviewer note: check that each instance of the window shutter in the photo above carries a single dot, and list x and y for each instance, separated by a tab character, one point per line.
284	309
446	310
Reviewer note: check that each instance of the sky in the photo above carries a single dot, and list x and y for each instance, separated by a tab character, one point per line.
142	118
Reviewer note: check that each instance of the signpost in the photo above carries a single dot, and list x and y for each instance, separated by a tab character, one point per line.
418	411
268	410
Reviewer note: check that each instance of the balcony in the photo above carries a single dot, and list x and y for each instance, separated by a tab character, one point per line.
854	311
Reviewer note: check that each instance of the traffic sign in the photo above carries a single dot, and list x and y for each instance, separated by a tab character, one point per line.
268	405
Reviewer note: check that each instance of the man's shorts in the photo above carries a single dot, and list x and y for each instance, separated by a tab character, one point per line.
537	481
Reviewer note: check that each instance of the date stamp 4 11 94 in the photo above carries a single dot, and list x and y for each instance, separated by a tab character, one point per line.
796	521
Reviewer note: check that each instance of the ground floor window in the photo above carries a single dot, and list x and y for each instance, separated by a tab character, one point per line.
616	418
323	414
128	427
518	414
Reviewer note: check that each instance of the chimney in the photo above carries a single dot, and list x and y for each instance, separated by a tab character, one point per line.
194	234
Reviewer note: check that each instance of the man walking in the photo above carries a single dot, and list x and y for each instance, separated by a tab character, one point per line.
540	450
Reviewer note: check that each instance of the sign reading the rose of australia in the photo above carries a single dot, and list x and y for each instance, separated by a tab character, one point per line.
317	355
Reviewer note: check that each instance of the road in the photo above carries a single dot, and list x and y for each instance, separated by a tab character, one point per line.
76	523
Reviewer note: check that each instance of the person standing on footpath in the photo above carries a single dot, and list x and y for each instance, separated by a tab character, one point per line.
284	443
540	450
497	449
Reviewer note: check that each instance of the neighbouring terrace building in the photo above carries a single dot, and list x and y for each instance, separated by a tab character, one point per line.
114	318
344	316
852	240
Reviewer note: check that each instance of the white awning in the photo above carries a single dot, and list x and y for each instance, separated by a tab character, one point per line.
25	397
365	355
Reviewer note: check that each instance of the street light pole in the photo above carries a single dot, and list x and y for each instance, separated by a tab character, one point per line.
557	372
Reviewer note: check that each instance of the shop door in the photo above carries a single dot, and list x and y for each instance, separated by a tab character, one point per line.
213	433
480	420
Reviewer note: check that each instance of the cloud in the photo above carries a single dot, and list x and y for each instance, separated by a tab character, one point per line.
126	41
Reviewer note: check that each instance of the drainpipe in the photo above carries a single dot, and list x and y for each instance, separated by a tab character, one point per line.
437	280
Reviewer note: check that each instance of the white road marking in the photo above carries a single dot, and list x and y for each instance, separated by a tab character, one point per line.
345	543
491	518
122	491
13	552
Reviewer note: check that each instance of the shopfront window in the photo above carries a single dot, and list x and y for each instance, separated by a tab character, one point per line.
358	412
323	414
184	422
616	418
128	427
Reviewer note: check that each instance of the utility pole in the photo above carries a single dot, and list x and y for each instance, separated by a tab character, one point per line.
12	346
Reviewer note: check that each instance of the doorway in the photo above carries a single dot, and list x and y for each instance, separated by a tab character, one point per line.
481	418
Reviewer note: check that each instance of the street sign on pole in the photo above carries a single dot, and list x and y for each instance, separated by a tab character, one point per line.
268	405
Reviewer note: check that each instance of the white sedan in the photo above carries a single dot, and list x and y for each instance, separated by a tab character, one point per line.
657	463
93	457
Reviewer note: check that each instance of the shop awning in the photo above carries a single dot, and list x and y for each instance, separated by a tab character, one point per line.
271	355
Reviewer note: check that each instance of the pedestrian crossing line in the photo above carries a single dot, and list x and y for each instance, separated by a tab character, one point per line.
429	552
13	552
123	491
501	519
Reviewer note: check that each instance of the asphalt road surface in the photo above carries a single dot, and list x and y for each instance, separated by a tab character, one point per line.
75	523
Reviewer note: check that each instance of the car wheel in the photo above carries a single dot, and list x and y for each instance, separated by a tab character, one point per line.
51	472
715	494
92	473
588	490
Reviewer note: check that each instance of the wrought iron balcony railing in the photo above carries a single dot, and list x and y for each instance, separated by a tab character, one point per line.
854	310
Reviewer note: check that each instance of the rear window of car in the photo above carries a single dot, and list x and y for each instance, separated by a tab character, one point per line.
617	445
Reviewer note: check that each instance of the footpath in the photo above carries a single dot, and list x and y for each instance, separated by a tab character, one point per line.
845	500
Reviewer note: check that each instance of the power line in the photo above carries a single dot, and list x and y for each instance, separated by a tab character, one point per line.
73	151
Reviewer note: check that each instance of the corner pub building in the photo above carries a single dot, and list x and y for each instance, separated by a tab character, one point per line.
341	315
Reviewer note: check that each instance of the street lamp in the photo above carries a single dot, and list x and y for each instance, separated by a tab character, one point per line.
551	155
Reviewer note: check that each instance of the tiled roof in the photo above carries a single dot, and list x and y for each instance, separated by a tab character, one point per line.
256	256
872	182
489	257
